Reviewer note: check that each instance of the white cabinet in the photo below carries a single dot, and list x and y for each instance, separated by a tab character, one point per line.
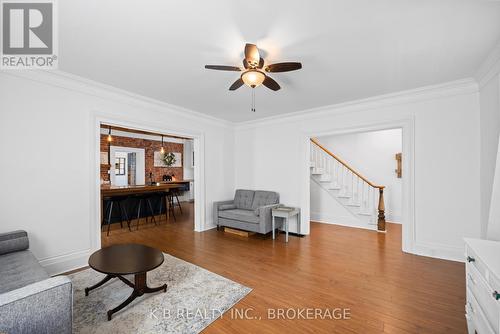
188	196
191	191
483	286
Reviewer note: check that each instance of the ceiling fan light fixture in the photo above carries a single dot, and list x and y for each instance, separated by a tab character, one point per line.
253	78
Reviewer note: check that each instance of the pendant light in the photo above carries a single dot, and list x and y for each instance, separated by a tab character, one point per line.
109	135
109	151
162	149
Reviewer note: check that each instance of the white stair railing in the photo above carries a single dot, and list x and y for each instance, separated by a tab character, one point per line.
350	184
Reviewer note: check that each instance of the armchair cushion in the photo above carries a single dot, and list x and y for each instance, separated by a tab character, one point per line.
19	269
230	206
243	199
262	198
247	216
13	241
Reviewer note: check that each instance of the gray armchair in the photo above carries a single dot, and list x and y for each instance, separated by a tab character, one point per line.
249	210
30	300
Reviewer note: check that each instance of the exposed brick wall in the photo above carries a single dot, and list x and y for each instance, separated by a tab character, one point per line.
150	146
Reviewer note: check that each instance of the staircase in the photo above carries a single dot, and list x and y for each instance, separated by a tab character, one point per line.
360	197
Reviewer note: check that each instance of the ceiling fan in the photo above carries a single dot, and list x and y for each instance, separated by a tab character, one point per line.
254	72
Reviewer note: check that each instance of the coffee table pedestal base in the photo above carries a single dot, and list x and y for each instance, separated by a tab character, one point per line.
140	287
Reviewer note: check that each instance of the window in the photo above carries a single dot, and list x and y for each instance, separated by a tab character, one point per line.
119	166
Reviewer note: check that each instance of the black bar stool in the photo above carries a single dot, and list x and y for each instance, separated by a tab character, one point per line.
170	204
161	203
174	193
144	199
110	202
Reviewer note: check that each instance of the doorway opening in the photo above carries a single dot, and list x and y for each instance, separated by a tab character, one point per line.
146	184
356	178
408	220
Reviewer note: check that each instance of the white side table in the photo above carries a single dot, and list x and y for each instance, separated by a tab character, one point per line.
286	213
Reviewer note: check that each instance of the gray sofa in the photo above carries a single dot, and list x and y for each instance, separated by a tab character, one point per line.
30	300
249	210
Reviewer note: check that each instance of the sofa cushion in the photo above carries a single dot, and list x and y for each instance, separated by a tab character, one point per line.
223	207
262	198
241	215
243	199
13	241
19	269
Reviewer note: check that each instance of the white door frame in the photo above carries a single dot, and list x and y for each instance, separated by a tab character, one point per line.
95	152
408	181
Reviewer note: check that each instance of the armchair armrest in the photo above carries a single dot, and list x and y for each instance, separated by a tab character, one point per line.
266	209
218	204
41	307
265	216
13	241
228	206
218	207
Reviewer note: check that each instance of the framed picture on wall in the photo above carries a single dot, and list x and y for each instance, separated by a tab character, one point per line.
159	159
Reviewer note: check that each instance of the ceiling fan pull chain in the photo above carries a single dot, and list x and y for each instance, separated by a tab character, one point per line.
253	99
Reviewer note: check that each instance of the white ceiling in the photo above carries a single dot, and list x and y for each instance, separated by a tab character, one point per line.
349	49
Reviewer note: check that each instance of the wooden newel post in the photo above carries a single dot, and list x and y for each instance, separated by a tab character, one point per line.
381	211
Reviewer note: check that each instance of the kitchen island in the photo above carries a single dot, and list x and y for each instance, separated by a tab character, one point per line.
130	196
109	190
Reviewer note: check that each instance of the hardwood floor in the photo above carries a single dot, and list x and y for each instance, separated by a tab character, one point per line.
386	290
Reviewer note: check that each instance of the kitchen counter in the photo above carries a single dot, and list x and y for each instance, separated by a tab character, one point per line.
109	190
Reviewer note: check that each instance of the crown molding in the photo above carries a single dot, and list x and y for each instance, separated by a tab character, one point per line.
82	85
489	68
458	87
89	87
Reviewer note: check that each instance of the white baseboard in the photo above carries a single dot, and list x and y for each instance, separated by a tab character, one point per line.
208	227
396	219
64	263
438	251
342	221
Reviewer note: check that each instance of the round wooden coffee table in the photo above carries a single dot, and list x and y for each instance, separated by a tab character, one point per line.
118	260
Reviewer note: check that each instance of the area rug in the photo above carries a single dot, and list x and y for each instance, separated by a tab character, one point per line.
195	297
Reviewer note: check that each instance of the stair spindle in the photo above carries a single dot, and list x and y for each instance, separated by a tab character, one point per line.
358	200
352	187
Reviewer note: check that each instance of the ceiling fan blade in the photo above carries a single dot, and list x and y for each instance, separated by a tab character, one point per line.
283	67
223	68
252	55
237	84
271	84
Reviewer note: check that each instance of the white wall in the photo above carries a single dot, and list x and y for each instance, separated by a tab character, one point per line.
188	171
493	231
47	187
489	130
372	154
270	154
